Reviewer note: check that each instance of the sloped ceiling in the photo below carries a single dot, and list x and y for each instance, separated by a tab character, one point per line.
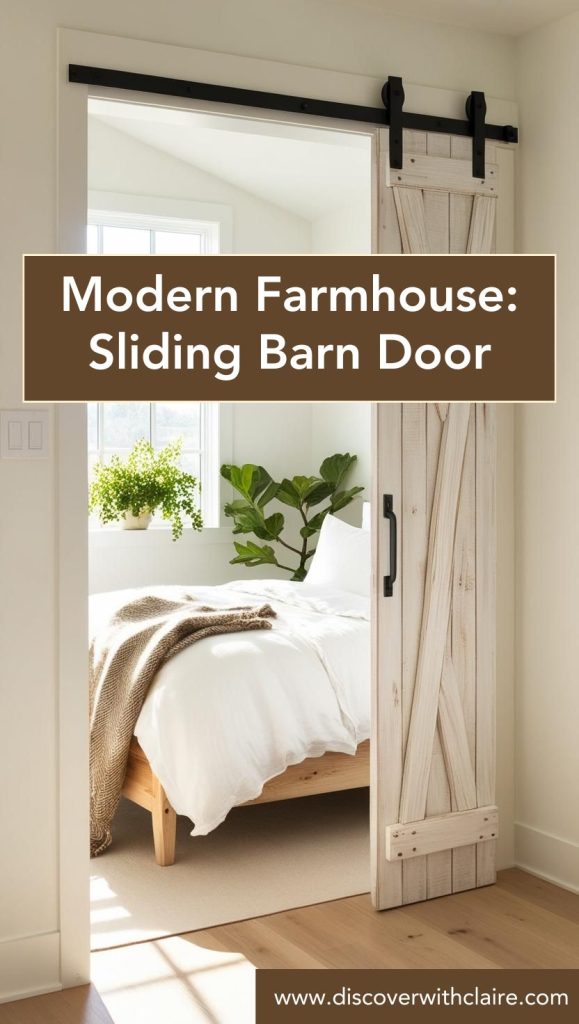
308	172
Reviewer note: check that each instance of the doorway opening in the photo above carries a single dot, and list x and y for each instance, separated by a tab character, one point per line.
236	713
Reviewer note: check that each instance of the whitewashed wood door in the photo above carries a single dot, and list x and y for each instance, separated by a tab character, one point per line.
434	823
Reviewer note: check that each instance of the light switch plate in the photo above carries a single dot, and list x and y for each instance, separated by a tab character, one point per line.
24	434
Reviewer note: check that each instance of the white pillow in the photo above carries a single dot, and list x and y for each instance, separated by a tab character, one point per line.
342	558
366	516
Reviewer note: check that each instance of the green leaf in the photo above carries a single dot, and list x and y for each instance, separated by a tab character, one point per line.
335	467
343	498
253	554
269	494
302	484
288	494
275	524
248	480
318	491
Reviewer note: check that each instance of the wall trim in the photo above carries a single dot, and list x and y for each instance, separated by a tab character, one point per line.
548	856
29	966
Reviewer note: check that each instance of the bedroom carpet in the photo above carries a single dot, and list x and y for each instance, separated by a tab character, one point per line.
263	859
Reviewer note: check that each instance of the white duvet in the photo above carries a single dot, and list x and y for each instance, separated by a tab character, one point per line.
232	711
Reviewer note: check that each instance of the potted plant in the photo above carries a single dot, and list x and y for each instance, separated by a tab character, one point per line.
303	493
129	491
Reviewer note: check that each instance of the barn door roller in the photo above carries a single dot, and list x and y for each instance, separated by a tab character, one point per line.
390	115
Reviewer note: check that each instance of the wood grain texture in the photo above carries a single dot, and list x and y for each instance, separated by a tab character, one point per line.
520	922
329	773
435	616
164	821
415	520
439	207
486	626
412	220
482	225
438	865
81	1005
463	650
437	210
386	746
444	174
441	832
454	738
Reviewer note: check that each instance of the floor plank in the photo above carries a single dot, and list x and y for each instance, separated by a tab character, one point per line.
81	1005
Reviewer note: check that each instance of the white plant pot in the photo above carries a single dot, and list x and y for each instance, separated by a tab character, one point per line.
140	522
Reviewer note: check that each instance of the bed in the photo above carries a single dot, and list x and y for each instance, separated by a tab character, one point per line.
253	717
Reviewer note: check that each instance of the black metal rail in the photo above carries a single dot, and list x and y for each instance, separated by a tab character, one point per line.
391	115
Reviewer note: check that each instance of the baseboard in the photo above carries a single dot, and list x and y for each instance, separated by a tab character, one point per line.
29	966
550	857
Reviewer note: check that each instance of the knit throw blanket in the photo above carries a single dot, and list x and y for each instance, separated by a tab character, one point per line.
127	652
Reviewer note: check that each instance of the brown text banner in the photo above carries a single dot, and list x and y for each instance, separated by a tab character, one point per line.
289	328
407	996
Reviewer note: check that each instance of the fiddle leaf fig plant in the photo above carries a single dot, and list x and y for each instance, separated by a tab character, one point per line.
303	493
145	482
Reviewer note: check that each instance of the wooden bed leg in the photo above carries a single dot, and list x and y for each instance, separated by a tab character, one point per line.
164	825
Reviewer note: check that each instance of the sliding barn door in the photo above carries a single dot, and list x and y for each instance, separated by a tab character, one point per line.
434	823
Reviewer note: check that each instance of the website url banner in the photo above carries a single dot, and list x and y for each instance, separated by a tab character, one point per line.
397	995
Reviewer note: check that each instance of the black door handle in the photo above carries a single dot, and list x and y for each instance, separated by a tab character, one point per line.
389	514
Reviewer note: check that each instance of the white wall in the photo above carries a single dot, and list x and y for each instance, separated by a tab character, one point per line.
547	696
309	33
119	163
345	427
345	230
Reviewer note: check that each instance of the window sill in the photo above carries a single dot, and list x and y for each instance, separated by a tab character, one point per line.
111	536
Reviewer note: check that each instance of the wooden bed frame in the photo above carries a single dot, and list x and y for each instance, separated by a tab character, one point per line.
327	774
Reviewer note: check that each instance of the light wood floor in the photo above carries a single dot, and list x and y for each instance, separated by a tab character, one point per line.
521	921
81	1005
208	975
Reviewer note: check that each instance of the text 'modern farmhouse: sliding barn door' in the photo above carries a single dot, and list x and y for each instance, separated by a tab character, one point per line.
434	823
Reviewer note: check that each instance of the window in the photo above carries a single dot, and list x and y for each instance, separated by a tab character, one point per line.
113	233
114	427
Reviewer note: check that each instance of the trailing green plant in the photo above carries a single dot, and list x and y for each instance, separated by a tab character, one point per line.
146	481
304	493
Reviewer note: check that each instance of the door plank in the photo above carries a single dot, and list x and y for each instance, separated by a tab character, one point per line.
415	519
446	174
438	865
441	831
437	210
485	626
463	641
454	740
435	617
482	225
409	204
386	742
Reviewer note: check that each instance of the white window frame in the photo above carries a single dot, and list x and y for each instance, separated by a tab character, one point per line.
139	211
209	231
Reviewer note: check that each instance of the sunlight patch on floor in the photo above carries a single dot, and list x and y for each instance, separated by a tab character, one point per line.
174	980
